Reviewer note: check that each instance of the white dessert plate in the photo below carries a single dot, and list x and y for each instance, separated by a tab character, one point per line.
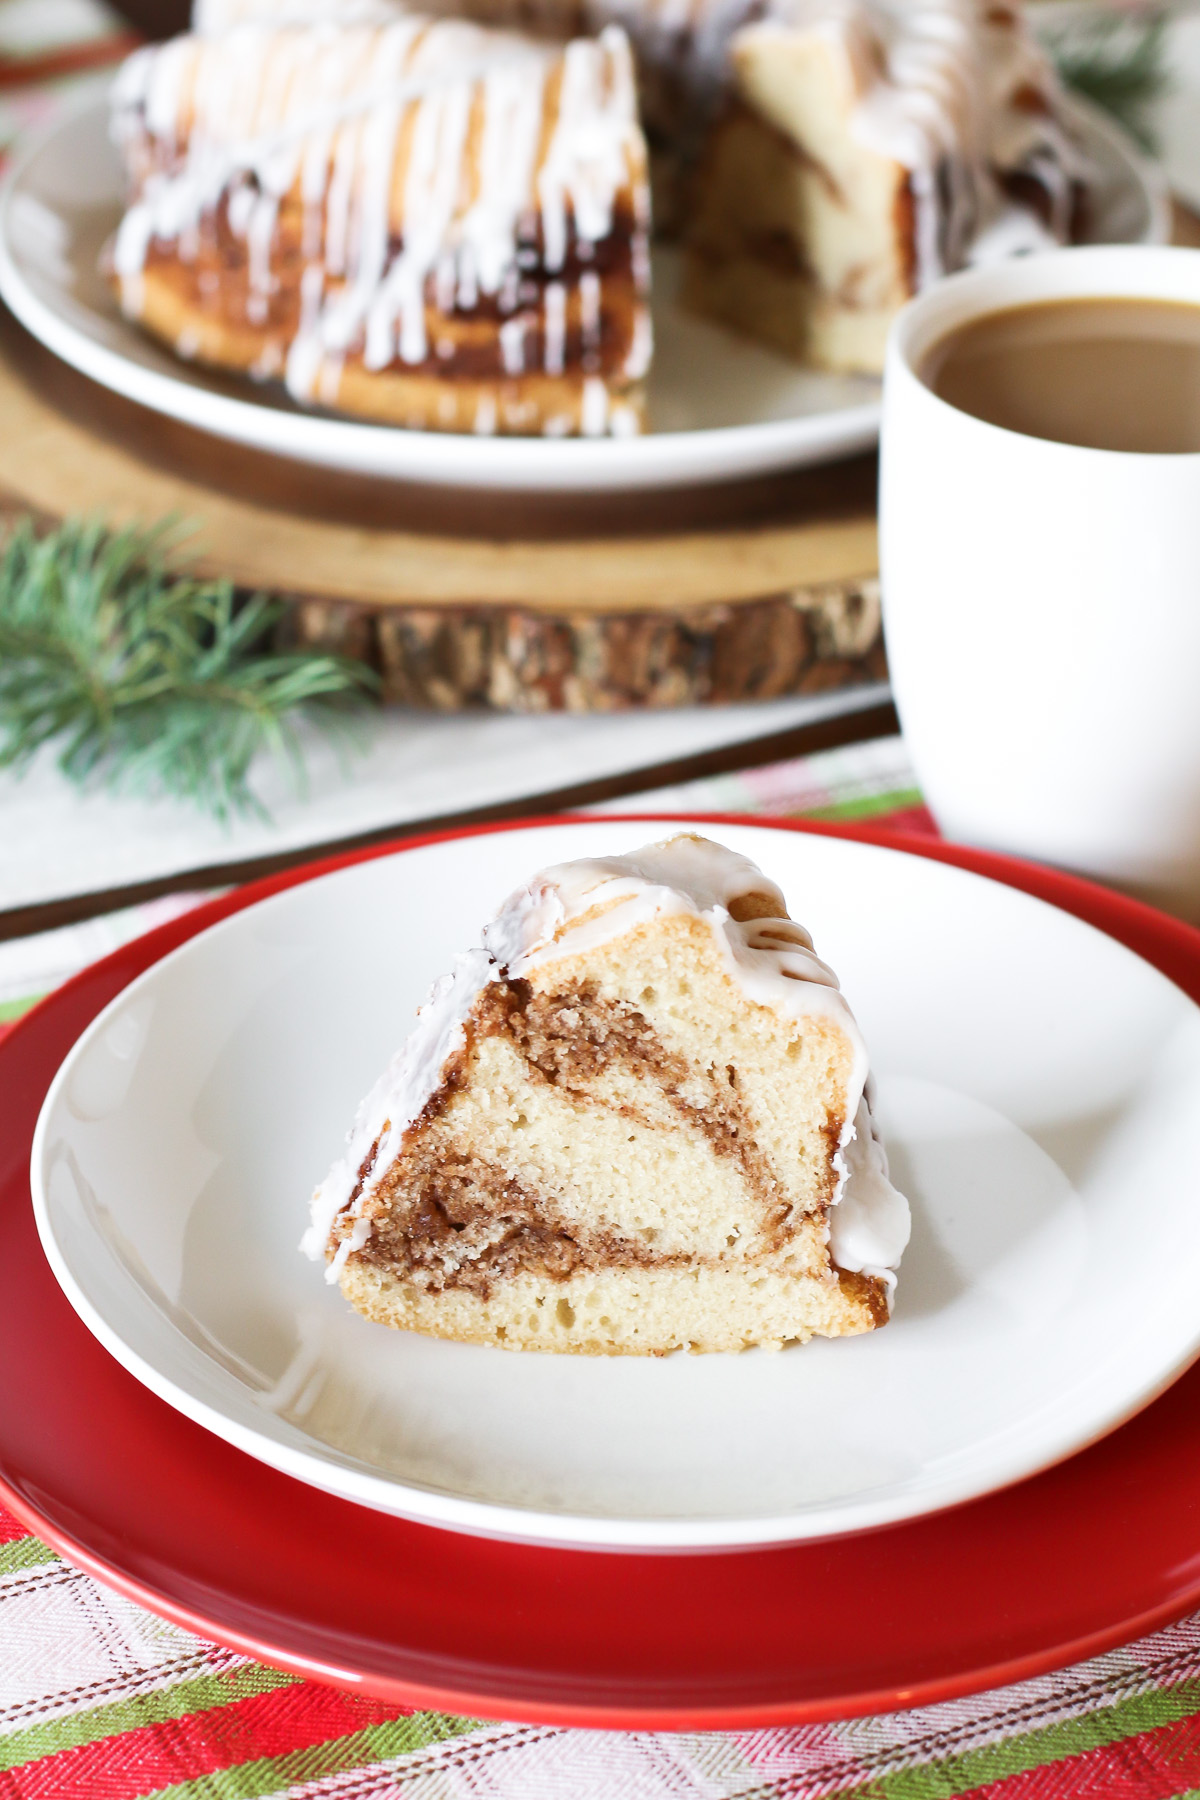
720	406
1039	1085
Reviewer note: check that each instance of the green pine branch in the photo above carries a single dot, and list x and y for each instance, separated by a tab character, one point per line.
1119	62
148	680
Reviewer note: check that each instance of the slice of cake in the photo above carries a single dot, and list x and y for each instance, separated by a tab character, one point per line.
418	221
634	1120
864	148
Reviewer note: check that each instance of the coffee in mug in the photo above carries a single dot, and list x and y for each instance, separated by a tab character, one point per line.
1106	372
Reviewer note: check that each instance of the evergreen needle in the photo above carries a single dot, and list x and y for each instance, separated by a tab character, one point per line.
1117	60
150	680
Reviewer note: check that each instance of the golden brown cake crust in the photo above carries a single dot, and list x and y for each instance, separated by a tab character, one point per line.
553	1314
516	406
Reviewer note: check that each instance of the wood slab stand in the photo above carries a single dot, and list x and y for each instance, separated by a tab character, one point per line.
755	590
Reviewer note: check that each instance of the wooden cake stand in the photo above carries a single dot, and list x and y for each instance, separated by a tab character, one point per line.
752	590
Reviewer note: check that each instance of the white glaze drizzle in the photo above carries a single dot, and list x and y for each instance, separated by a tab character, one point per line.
211	17
496	139
576	907
943	89
395	1102
870	1226
956	92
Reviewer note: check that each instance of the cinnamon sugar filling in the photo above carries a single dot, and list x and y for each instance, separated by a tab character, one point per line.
463	1222
569	1039
448	1220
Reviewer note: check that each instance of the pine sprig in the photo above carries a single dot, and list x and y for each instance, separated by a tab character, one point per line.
151	681
1117	60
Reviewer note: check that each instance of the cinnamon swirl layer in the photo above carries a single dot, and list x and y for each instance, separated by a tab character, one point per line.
481	1193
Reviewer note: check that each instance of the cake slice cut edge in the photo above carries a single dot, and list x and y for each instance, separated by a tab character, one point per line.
636	1119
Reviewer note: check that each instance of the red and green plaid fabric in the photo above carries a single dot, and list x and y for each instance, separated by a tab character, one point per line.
100	1700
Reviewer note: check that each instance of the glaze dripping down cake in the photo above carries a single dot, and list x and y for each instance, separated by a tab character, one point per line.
635	1119
863	149
416	220
439	217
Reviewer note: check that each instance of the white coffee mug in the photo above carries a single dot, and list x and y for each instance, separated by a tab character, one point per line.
1042	605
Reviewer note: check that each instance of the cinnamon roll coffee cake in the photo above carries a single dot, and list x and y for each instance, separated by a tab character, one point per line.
415	220
636	1119
437	212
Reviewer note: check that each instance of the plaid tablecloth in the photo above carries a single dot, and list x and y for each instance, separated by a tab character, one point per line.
102	1701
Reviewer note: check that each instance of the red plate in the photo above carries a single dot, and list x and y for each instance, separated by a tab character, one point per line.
1099	1550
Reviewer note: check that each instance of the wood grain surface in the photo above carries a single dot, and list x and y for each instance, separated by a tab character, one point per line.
67	445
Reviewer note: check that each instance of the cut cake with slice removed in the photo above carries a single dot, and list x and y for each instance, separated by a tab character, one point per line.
634	1120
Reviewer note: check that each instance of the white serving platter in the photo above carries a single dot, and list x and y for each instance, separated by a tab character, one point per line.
1039	1085
720	407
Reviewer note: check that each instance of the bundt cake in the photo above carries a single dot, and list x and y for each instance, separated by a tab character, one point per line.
438	216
